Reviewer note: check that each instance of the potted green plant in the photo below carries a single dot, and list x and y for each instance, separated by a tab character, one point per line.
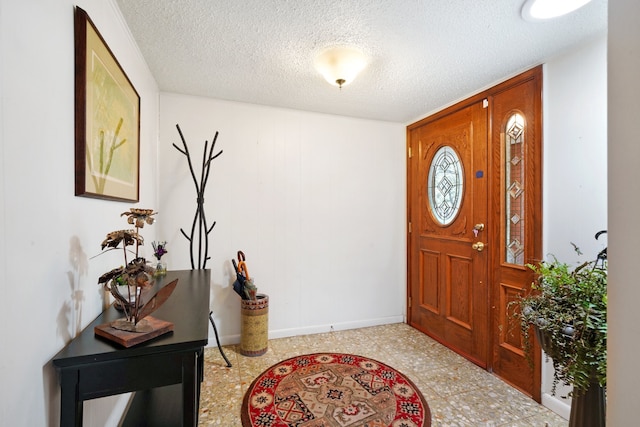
567	311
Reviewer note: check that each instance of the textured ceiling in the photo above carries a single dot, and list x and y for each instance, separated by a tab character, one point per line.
423	54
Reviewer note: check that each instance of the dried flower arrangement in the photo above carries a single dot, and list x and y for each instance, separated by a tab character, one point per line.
159	250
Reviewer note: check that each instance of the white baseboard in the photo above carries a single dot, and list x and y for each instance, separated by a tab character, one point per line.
308	330
558	406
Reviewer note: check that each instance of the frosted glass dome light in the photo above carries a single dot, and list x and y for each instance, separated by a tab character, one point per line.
537	10
340	65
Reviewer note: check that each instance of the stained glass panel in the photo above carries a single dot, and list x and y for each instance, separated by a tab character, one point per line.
514	189
445	185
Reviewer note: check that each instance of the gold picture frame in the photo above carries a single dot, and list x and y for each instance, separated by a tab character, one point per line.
107	120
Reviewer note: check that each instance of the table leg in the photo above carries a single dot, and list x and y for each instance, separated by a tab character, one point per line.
70	403
189	390
200	357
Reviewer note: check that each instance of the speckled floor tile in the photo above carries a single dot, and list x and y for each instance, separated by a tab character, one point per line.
459	393
483	407
459	378
543	419
443	414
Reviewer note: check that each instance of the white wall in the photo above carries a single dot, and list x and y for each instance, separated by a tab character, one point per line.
575	166
623	375
47	235
316	202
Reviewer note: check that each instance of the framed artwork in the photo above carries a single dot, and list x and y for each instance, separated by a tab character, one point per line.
107	120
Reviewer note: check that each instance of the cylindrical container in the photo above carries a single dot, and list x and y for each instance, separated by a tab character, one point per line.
254	329
161	268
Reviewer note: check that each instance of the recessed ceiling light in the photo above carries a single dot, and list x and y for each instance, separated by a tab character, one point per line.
537	10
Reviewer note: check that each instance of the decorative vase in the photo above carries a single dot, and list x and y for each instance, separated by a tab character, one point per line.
588	409
161	268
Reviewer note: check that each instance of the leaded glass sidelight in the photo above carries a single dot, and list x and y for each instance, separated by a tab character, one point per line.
445	185
515	189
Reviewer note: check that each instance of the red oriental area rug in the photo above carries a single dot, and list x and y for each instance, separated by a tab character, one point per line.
333	390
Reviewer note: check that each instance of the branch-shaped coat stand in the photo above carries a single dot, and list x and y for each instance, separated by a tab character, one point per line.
199	219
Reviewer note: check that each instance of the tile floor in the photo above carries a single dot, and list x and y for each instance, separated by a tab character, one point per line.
459	393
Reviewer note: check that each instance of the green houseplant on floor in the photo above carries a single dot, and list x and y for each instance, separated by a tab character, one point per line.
567	311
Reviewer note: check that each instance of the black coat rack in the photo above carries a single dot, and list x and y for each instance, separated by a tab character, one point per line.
199	223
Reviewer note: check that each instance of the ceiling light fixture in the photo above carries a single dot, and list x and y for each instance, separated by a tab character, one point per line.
537	10
340	65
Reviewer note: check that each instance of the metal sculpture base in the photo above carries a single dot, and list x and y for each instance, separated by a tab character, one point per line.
152	328
126	325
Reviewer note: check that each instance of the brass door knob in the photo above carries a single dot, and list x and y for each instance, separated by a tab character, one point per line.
478	246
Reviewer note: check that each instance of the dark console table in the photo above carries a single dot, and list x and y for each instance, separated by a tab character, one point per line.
165	372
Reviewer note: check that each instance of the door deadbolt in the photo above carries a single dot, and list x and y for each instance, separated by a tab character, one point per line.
477	228
478	246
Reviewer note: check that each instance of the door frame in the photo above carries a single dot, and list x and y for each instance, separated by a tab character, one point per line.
494	193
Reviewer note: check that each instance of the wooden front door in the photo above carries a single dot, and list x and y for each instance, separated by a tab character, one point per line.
448	264
474	209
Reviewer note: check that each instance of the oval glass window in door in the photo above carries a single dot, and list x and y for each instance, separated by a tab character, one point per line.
445	185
